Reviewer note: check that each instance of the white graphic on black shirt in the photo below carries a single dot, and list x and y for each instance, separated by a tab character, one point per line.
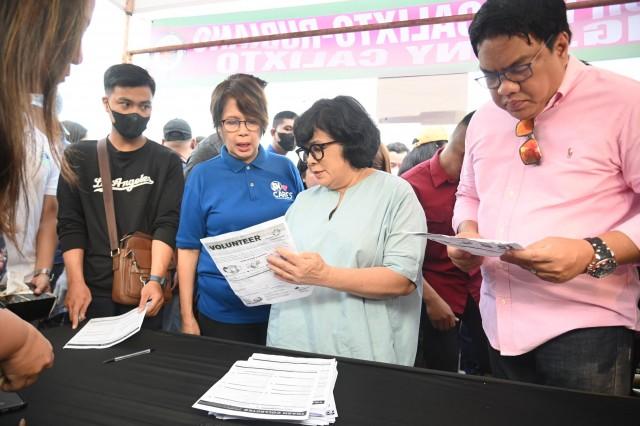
120	184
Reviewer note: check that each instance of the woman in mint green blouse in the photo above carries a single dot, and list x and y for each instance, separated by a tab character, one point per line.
360	236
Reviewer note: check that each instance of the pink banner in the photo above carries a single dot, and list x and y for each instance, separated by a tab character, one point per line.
394	49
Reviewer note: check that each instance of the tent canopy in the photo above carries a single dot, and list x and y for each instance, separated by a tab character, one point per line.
143	6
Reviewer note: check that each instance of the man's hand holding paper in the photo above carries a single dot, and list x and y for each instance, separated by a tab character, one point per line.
463	259
553	259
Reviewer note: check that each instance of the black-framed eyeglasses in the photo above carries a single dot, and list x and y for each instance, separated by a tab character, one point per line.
316	150
516	73
233	125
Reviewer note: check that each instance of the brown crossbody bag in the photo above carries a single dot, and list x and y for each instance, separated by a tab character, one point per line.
131	257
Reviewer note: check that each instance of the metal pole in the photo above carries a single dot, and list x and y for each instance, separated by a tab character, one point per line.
352	29
128	12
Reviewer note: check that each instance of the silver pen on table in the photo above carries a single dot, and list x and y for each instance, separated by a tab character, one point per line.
123	357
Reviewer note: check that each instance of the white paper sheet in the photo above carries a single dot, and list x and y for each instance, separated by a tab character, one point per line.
477	246
323	406
241	256
262	392
101	333
273	387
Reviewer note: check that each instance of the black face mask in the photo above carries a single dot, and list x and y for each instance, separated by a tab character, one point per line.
130	126
287	141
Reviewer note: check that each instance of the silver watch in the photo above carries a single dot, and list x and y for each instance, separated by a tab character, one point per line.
604	261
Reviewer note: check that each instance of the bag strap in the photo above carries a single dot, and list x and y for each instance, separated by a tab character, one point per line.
107	196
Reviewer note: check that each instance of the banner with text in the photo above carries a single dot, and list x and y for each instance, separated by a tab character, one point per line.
598	33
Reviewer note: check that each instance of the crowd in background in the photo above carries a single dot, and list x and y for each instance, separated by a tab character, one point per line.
542	165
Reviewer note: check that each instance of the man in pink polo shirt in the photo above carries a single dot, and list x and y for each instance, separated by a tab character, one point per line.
553	163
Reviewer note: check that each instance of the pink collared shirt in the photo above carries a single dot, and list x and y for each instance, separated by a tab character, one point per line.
587	184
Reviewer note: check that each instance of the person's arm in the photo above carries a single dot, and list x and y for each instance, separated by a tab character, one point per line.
439	312
24	352
465	212
46	243
309	268
187	262
72	232
161	254
192	228
78	296
559	260
401	269
464	260
165	227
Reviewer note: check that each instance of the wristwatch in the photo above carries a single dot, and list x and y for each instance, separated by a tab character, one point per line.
35	273
160	280
604	262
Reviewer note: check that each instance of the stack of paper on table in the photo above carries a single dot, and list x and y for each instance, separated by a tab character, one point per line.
273	387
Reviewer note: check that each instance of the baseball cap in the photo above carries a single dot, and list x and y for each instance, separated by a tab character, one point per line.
177	130
431	134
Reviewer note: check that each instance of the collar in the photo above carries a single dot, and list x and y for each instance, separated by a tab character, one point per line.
236	165
571	76
438	175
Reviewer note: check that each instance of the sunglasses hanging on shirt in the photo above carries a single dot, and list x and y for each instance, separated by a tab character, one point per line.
530	152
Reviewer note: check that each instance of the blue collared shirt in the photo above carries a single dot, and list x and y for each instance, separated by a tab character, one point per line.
225	194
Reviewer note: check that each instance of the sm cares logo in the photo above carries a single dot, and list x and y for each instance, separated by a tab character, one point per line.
281	191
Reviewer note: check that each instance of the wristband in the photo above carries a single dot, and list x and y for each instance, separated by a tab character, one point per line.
160	280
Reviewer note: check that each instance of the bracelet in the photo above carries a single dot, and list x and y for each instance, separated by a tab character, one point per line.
42	271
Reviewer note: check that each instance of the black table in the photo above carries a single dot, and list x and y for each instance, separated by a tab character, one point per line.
159	389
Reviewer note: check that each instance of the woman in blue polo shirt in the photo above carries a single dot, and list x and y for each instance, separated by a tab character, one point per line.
227	193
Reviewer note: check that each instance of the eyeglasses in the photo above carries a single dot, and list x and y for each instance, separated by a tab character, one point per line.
316	150
516	73
233	125
530	152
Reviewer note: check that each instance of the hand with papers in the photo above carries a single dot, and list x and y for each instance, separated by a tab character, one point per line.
273	387
296	268
242	256
310	268
553	259
151	298
461	248
101	333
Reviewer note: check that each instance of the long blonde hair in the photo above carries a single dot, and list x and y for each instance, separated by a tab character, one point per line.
38	41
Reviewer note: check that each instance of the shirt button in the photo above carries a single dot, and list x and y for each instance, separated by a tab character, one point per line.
248	167
251	184
503	301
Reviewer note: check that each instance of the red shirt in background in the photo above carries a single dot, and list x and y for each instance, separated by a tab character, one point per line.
437	195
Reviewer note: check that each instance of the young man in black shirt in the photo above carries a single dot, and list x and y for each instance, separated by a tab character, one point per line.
147	187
